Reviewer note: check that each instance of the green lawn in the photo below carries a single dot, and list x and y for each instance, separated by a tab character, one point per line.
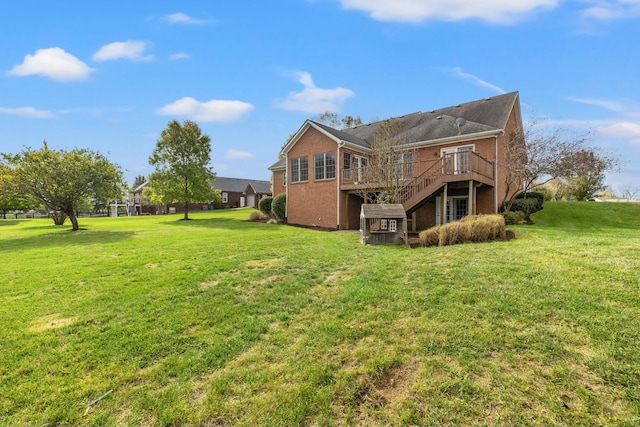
218	321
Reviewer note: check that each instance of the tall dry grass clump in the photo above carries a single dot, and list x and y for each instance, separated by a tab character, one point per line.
470	229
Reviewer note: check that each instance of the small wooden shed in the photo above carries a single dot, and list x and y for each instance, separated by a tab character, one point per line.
383	224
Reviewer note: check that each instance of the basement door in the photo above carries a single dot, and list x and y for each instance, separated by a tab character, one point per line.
457	208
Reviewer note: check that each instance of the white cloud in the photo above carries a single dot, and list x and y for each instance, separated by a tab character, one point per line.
238	155
312	99
181	18
179	55
457	72
615	106
131	49
603	103
622	130
612	10
28	112
416	11
219	111
55	64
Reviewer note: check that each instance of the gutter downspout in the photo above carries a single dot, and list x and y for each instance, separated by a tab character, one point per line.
495	177
286	188
338	179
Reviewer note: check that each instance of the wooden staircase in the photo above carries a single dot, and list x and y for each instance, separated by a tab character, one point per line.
448	169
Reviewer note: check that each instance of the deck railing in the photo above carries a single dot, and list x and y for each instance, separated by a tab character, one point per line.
412	178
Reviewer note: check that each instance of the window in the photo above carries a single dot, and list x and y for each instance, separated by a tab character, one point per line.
383	224
284	179
404	165
325	165
346	168
393	225
347	160
299	169
225	197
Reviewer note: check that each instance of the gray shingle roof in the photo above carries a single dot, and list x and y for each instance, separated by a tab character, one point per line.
482	116
280	164
260	187
343	135
485	115
239	185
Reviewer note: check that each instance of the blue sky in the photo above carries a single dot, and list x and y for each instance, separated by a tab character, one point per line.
110	75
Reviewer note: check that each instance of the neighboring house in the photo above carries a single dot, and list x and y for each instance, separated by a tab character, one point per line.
234	192
137	203
240	193
451	163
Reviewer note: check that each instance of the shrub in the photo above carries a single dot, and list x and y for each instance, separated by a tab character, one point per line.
257	216
513	218
473	228
265	205
272	221
533	195
429	237
527	206
279	206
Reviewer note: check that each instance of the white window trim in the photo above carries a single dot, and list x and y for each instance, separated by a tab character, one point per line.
324	166
298	161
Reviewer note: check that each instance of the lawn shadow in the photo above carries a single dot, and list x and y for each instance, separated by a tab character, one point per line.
64	237
11	221
223	223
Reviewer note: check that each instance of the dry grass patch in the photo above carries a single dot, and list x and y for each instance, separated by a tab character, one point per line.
52	321
209	284
260	264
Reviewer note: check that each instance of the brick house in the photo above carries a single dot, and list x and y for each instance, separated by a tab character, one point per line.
450	163
234	192
240	193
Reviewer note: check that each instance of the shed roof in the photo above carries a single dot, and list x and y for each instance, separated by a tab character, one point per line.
382	211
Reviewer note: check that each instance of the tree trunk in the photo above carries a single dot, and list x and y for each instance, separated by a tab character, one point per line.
74	221
58	217
186	211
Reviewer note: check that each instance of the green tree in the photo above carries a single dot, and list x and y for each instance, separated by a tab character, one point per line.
587	172
181	159
10	196
540	154
139	180
331	119
62	180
